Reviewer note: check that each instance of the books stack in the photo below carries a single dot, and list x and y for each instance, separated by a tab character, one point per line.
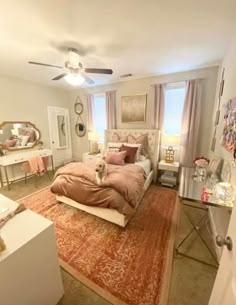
168	178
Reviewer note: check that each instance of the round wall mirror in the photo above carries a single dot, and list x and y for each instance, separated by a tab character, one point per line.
80	129
78	108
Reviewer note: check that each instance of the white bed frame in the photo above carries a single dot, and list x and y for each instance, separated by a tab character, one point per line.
153	150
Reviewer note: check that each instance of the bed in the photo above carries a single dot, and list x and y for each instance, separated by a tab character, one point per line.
149	167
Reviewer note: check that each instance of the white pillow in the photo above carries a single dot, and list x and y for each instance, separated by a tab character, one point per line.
24	140
111	146
142	157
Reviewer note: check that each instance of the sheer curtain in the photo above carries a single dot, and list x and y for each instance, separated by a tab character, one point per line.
90	108
190	123
111	109
159	106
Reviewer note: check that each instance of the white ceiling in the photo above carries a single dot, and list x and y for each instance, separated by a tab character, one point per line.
142	37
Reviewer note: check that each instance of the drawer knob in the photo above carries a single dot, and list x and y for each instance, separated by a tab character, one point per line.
221	241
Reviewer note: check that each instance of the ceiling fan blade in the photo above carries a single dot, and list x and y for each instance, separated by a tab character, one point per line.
59	76
87	79
41	64
99	71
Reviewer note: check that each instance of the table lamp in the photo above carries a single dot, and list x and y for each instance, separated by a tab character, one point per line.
94	136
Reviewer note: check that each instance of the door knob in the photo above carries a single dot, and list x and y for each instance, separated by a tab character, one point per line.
221	241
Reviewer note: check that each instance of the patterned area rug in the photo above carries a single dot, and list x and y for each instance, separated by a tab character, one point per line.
129	265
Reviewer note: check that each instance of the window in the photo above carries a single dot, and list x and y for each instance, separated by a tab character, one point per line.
174	103
99	114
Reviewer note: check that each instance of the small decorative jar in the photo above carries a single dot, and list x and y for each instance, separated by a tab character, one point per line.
40	144
200	173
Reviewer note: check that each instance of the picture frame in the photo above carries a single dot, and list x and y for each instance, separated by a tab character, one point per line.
214	166
213	144
221	89
217	117
133	108
229	131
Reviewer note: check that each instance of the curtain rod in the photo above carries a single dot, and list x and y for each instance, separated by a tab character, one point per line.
178	81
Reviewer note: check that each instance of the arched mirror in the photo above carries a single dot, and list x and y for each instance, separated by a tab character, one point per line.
17	135
80	129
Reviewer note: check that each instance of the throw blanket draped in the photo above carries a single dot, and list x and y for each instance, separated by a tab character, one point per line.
122	189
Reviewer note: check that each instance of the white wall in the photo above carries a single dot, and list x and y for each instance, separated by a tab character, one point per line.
209	76
25	101
220	218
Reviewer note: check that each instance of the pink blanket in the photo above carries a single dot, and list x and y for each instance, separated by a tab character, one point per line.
35	165
122	189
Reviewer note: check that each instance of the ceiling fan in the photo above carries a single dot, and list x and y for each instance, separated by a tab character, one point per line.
75	72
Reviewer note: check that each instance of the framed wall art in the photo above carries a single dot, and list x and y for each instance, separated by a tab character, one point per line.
214	166
228	139
133	108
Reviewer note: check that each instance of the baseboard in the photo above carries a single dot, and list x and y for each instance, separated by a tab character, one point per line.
214	233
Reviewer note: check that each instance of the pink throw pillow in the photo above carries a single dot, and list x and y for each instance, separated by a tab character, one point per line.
130	153
116	158
10	143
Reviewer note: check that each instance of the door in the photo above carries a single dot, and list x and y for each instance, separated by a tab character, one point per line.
224	290
59	130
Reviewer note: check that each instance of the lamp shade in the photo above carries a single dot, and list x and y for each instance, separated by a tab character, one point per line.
93	136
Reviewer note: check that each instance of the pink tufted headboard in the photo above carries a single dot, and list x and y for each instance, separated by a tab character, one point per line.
153	142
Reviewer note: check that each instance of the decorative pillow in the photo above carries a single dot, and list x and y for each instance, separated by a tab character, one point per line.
143	139
142	158
27	131
24	140
130	153
119	139
113	146
139	150
10	143
116	158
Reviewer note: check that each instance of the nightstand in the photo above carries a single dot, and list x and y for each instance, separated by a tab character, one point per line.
169	177
88	156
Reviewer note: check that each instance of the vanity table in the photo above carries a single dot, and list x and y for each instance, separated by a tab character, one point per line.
12	159
191	191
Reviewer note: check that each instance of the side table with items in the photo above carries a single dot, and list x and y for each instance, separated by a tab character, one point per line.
169	177
90	156
194	190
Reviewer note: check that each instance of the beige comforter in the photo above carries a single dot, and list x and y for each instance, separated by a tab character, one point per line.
122	189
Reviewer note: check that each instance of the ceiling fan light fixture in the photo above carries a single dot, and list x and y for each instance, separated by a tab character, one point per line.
74	79
73	58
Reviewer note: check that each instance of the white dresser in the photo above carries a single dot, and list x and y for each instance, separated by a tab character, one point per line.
29	267
20	157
